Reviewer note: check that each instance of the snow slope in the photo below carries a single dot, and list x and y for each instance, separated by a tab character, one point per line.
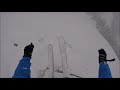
43	28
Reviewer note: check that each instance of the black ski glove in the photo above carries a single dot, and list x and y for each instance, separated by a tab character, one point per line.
28	50
103	56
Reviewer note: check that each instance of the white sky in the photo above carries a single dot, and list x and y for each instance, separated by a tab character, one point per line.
77	29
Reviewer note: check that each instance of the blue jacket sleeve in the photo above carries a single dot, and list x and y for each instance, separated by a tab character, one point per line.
23	68
104	71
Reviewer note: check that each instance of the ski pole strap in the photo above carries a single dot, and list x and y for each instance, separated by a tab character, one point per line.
110	60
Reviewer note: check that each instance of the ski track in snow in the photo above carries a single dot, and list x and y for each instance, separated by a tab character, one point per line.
80	35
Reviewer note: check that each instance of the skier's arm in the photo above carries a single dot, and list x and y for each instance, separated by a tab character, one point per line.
23	68
104	70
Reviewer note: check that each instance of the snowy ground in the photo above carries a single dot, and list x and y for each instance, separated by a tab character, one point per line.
43	28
